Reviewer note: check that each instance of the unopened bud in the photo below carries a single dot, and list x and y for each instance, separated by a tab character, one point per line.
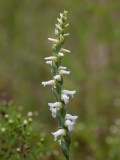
61	39
65	13
6	116
25	122
3	129
59	27
42	140
10	121
18	149
56	32
66	25
30	114
18	116
30	119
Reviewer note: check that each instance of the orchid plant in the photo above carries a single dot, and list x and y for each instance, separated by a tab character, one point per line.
65	121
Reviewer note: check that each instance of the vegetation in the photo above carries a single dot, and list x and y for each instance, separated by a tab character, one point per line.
94	64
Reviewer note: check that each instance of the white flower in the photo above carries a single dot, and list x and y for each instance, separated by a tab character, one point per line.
53	58
70	121
51	82
49	62
69	124
30	114
60	132
70	117
53	110
68	92
66	25
57	77
65	50
64	72
54	107
65	12
61	15
60	54
53	40
61	67
56	104
65	98
66	34
58	27
59	20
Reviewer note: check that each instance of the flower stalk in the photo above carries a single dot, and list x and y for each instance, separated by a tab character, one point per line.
58	108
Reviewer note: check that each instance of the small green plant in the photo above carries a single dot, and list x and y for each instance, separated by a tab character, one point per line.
113	141
19	141
58	108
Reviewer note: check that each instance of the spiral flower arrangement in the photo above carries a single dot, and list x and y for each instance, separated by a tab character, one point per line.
65	121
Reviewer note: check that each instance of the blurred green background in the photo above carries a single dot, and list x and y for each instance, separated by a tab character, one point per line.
94	64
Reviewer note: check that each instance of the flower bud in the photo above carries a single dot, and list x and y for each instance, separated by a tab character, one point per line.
3	130
25	122
6	116
19	116
18	149
10	121
61	39
30	114
30	119
58	27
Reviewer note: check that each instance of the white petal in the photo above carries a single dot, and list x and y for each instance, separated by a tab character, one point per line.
65	98
57	77
61	15
53	110
60	54
65	50
64	72
58	27
56	104
65	12
60	132
51	58
51	82
70	128
66	25
66	34
69	92
61	67
73	118
59	20
49	62
53	40
69	124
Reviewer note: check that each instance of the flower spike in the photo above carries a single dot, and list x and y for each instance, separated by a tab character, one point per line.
58	109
